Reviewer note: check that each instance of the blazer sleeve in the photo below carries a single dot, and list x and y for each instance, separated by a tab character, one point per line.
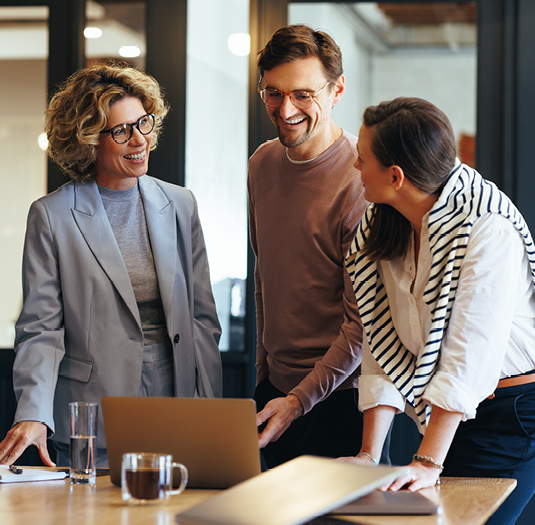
39	342
206	327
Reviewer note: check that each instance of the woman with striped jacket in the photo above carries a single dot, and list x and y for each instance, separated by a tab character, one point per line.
443	268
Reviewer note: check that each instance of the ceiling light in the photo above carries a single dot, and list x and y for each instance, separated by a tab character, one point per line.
42	141
92	32
239	44
129	51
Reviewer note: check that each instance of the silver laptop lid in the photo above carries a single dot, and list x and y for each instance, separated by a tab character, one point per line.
217	439
290	494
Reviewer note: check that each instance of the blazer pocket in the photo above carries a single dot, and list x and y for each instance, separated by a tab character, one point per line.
75	369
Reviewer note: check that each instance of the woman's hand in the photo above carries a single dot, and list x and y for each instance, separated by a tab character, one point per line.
417	476
423	471
356	460
20	437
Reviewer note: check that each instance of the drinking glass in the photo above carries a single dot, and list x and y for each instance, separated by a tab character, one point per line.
83	445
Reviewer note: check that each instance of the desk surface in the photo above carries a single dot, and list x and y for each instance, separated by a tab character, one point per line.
467	501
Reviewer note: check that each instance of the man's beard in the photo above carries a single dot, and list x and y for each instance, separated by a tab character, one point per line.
287	139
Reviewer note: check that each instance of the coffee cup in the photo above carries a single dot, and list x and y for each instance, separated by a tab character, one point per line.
148	477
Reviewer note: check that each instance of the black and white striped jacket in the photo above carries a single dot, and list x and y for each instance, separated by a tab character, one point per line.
466	196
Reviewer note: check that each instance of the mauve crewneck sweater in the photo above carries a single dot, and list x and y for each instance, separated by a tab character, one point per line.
303	217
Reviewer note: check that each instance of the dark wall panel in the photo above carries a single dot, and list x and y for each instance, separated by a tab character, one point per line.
166	62
525	109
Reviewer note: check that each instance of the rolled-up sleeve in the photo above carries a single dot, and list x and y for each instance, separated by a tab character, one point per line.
494	272
375	387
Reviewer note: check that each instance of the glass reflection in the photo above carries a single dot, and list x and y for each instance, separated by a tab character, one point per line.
23	86
216	149
403	49
116	30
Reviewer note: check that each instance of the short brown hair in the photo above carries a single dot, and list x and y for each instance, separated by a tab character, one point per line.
79	111
415	135
300	41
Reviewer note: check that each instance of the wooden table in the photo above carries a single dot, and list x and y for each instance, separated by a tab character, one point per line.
467	501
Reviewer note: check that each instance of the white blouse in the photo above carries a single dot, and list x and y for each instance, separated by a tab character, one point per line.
491	332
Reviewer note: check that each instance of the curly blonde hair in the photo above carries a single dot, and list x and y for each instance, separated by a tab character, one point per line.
79	111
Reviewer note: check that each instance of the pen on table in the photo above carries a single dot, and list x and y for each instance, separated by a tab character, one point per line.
14	469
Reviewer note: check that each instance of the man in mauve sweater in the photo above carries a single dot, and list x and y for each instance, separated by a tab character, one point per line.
305	202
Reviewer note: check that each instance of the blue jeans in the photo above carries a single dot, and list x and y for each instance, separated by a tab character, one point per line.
499	443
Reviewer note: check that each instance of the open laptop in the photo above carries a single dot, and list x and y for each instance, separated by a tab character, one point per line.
216	439
290	494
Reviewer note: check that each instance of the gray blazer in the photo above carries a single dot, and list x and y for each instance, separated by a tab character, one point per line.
79	336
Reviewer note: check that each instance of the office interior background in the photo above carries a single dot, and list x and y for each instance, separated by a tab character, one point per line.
475	60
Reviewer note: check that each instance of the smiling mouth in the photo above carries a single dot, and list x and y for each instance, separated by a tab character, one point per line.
135	156
294	121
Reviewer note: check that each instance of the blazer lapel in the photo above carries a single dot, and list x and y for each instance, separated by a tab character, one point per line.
91	218
161	224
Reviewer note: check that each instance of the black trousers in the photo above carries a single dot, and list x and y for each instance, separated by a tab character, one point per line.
499	443
333	428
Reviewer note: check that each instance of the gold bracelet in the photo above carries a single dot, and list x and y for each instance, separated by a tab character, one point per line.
368	456
428	461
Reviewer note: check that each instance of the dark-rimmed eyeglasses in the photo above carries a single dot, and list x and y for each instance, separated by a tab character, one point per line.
300	99
122	133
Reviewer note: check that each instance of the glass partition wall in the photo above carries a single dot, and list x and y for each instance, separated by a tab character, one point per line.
388	51
216	149
114	30
426	50
23	86
218	46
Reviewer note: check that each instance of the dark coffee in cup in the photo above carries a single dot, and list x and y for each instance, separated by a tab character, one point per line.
147	477
146	483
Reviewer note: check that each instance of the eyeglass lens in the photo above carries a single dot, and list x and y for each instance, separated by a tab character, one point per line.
274	98
123	132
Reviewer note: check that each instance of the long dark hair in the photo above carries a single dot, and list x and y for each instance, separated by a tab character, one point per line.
416	136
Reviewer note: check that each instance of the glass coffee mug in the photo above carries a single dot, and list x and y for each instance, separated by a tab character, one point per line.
148	477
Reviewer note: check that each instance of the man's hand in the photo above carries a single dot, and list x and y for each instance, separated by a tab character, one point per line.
279	413
20	437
